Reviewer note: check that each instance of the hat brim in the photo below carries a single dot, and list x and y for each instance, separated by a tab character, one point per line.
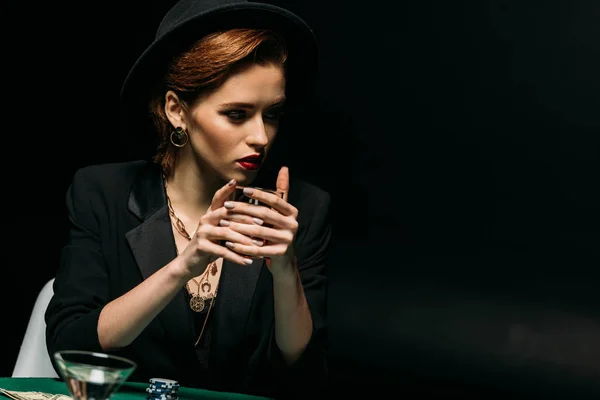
150	67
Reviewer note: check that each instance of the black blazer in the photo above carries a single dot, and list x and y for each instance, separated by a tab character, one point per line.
120	233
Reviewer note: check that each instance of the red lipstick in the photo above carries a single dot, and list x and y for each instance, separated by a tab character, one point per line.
251	162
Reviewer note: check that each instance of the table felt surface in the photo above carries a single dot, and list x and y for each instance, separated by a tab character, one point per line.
127	391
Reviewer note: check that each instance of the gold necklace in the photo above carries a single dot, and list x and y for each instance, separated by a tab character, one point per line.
197	301
178	223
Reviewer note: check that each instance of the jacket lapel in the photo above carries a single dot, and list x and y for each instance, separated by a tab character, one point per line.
232	311
236	290
153	247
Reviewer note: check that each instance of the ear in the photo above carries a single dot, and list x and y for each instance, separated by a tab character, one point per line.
174	110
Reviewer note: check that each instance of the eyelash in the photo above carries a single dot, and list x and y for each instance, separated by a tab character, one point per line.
240	115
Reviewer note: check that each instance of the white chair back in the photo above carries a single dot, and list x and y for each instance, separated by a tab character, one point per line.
33	360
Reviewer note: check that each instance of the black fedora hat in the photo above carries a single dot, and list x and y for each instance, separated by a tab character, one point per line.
189	20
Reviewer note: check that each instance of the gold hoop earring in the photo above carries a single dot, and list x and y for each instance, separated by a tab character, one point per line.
182	137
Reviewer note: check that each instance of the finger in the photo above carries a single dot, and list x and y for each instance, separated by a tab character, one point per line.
242	219
227	254
283	182
266	214
271	200
214	217
256	231
255	251
225	234
221	195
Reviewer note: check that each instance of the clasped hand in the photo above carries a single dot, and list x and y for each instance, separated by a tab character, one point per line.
236	231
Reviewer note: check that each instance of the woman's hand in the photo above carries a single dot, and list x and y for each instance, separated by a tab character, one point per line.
207	243
273	227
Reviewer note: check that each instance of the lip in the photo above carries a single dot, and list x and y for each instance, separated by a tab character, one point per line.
251	166
251	162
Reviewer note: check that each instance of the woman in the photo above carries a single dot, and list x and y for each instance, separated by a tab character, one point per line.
161	266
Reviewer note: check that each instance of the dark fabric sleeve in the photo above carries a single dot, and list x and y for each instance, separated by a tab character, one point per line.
307	377
81	281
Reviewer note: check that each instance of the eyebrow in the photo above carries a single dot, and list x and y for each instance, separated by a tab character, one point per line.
249	105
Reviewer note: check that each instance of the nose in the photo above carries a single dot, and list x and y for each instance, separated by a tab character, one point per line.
258	136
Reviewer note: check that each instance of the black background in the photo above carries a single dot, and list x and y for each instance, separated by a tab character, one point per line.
460	143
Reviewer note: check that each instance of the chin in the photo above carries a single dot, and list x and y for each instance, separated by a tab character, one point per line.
243	177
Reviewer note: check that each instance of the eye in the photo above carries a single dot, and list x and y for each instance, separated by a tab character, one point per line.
274	114
235	115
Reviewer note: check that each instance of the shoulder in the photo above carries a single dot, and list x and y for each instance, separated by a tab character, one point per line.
314	222
304	194
109	175
110	171
107	182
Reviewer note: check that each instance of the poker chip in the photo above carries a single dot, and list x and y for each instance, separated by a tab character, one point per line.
153	397
162	389
164	382
165	392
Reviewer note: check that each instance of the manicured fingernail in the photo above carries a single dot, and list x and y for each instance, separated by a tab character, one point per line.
224	222
229	244
248	191
248	261
231	182
258	221
257	242
228	205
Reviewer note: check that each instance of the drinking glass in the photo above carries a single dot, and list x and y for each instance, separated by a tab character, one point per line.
92	375
238	195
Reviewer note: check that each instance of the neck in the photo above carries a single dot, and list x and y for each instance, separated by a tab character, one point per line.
191	188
